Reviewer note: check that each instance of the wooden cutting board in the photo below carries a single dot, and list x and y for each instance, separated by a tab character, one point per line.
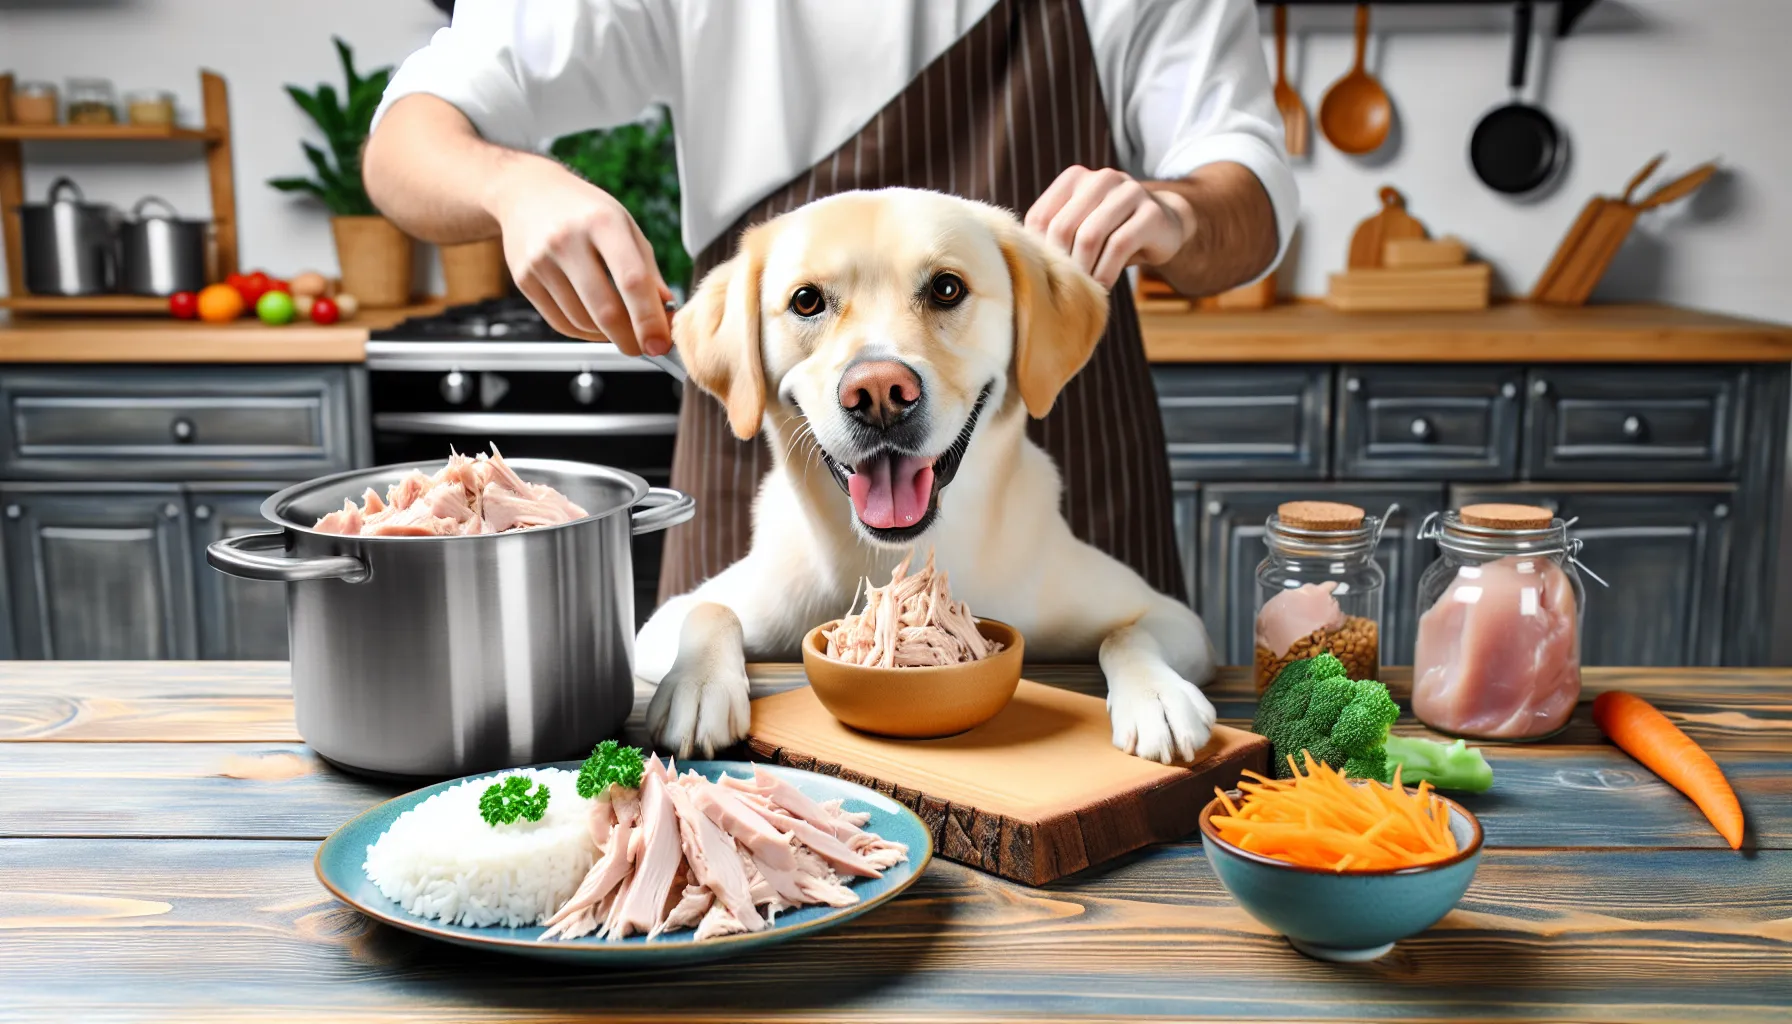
1034	794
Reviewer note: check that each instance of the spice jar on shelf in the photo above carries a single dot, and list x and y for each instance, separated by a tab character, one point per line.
91	101
1320	589
34	103
1500	611
149	106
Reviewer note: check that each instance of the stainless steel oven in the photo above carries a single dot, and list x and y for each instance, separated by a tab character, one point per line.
495	373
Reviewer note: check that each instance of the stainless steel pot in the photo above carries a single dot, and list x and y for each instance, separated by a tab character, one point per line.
441	656
161	253
71	245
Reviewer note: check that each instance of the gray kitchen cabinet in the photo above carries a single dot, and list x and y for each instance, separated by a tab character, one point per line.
1185	515
237	618
1451	422
1667	555
1245	423
98	571
1231	546
1651	423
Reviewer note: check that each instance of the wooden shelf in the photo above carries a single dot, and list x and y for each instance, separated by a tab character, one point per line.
106	133
1568	11
80	305
1513	332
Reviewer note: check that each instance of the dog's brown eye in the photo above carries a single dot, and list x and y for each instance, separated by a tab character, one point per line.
948	290
807	301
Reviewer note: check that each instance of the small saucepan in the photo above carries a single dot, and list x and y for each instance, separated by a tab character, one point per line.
1517	148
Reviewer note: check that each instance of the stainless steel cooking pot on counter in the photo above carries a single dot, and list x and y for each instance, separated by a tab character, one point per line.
71	245
442	656
161	253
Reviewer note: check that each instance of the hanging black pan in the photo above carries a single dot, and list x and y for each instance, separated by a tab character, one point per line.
1517	149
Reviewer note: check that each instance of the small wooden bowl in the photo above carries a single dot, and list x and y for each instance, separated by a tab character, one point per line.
916	703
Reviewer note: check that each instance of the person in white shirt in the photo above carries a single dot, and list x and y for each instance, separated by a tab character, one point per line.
1128	131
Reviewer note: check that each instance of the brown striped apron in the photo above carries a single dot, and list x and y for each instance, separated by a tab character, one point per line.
996	117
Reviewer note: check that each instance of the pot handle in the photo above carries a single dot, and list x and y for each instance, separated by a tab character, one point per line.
61	185
252	557
148	201
662	508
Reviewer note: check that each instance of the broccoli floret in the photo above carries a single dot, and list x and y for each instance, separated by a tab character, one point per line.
1315	706
1445	765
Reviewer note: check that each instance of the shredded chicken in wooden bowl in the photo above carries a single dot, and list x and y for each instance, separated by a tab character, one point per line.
910	623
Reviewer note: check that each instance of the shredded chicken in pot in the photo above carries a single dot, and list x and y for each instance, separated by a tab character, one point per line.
467	496
911	623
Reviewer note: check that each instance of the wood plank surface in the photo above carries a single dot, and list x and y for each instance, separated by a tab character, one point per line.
1512	332
239	930
163	339
1583	797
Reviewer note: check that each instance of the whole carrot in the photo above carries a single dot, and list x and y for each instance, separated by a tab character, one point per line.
1646	734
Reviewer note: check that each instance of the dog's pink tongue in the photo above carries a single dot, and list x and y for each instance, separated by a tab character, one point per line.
889	493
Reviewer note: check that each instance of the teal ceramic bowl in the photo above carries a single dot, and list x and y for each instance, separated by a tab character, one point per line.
1350	917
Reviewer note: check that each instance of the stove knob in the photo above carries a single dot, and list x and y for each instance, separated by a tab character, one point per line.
586	387
456	387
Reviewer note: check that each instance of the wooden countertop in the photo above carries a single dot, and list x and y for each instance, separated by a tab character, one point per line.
1301	332
1310	332
160	819
45	339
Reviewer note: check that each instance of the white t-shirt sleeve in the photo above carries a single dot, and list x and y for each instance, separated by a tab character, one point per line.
526	72
1193	89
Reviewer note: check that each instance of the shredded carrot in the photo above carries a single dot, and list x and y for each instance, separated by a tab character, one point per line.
1320	818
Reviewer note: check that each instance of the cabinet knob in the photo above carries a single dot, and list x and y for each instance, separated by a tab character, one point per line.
586	387
1634	428
1539	388
1549	503
1508	390
14	511
455	388
171	511
1353	385
184	431
1214	508
1421	429
1721	511
202	512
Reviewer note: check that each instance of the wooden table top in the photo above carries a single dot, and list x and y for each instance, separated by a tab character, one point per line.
158	820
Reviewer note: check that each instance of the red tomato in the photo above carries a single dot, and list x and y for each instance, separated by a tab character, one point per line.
254	286
183	305
240	284
277	285
324	310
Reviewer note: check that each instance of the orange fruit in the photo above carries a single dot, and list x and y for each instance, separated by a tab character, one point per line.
219	304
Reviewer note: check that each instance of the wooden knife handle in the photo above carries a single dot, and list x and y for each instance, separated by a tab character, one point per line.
1642	176
1680	187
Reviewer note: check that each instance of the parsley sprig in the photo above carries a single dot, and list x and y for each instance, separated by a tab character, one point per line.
506	801
610	764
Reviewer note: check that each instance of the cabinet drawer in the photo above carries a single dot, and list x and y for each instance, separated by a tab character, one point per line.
155	424
1245	424
1611	424
1398	422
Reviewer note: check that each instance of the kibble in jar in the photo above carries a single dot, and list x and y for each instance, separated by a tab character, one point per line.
1357	644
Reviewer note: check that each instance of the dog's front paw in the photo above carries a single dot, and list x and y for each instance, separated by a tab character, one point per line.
699	711
1161	718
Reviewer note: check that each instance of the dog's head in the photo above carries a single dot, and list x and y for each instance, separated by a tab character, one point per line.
890	321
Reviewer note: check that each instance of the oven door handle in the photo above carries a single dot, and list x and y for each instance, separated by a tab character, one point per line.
514	424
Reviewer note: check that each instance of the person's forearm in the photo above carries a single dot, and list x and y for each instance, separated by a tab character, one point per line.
1229	224
431	174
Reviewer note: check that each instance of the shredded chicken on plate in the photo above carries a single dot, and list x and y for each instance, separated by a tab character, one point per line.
911	623
467	496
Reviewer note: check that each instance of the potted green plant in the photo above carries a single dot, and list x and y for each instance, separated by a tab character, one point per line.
374	255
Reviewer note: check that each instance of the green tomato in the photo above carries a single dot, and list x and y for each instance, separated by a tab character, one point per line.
275	308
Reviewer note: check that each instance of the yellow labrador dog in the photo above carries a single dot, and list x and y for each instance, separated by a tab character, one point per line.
891	345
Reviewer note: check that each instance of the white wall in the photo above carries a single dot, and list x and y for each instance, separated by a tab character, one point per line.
1699	80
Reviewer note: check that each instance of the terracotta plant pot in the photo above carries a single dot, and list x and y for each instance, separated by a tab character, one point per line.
375	258
474	271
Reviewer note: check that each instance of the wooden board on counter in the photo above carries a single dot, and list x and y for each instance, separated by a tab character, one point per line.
166	340
1032	795
1512	332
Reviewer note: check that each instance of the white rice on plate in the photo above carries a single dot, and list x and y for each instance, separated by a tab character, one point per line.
440	860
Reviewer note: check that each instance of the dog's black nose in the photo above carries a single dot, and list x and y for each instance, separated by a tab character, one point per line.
879	393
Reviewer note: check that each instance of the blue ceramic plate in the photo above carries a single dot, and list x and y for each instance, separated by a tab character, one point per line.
340	857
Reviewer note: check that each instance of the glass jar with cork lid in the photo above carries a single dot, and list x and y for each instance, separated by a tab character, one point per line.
1320	589
1498	654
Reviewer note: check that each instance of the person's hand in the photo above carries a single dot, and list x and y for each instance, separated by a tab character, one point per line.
580	259
1107	221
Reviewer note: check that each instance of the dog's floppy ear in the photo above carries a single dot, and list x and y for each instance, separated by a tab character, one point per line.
1059	314
717	334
